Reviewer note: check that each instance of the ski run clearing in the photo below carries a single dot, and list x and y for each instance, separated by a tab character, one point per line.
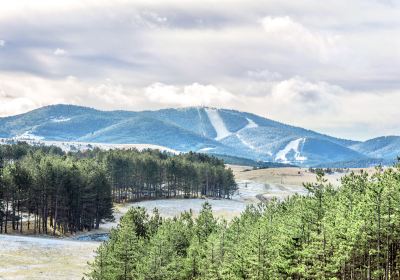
296	147
218	124
250	124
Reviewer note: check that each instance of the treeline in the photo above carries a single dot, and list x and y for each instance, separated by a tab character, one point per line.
151	174
44	190
47	193
328	170
352	232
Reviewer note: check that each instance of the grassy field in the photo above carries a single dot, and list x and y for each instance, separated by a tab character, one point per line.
36	258
292	176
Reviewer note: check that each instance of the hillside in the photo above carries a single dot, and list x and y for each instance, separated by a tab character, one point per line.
200	129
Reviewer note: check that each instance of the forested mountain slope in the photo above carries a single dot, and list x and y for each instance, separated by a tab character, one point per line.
202	129
381	147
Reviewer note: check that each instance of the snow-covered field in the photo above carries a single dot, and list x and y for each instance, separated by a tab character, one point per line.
173	207
249	193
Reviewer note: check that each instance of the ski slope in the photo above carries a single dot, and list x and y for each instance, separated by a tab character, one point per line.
295	146
217	123
250	124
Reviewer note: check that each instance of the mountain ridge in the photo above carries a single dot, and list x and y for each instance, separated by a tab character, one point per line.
201	129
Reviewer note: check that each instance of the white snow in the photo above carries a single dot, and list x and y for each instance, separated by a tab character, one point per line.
248	144
251	124
201	122
27	257
251	146
295	146
61	119
27	135
104	146
83	146
205	149
217	123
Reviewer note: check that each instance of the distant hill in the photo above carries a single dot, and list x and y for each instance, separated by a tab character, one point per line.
222	132
382	147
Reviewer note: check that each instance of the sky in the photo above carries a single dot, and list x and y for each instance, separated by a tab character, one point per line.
330	66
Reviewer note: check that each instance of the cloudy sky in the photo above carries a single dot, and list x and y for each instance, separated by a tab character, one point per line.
332	65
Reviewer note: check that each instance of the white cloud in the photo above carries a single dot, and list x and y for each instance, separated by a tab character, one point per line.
264	75
315	105
311	96
301	62
189	95
292	35
60	52
2	43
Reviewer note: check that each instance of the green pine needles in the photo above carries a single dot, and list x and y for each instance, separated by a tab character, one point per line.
350	232
46	191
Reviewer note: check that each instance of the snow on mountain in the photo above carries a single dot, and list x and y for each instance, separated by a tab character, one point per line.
204	150
27	135
381	147
60	119
218	124
294	146
200	129
84	146
243	140
251	124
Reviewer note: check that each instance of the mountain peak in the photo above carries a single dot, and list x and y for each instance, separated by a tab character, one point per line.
200	128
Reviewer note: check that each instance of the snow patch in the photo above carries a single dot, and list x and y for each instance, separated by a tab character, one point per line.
61	119
205	150
241	138
201	122
217	123
295	146
251	124
67	146
28	135
251	146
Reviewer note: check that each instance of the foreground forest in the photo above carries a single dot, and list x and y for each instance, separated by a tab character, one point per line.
350	232
44	190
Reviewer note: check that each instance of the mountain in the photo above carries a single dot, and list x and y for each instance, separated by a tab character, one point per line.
221	132
381	147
